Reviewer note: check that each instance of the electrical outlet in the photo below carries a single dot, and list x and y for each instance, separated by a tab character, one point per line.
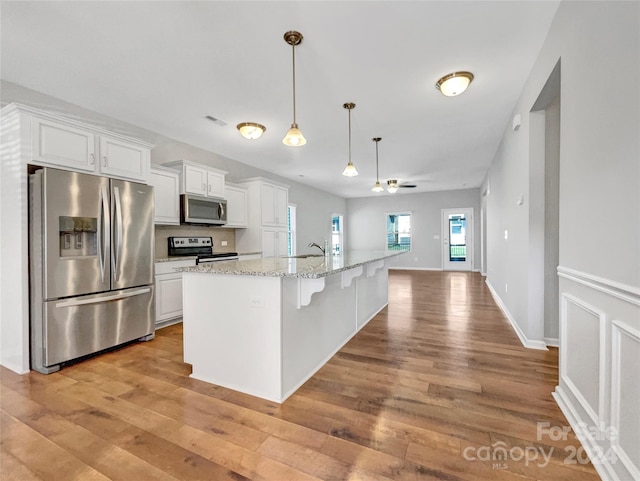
256	301
223	243
506	287
506	234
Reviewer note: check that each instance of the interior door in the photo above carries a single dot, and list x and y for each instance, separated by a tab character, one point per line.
457	239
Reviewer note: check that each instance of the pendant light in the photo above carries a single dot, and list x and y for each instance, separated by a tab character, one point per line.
377	187
350	169
392	186
294	137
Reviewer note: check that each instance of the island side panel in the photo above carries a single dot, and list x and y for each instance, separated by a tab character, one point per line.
373	294
232	331
314	333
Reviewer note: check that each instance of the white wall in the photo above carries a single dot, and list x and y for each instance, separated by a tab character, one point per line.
599	224
366	224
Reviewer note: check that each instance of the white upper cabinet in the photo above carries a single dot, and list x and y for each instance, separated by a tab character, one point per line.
215	184
199	179
266	232
66	143
124	159
194	180
63	145
236	205
166	191
274	205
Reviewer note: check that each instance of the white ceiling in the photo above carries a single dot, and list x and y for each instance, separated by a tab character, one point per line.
165	65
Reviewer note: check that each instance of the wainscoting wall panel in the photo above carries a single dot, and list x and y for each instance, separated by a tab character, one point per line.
599	386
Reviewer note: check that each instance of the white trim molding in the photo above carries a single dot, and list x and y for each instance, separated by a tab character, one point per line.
620	329
609	323
622	291
566	299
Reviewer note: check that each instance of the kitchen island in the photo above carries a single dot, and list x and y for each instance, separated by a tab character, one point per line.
265	326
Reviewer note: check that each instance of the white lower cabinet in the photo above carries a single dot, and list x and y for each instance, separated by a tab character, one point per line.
274	243
169	292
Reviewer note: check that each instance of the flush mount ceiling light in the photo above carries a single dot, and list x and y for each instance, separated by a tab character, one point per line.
350	169
454	83
392	186
377	187
294	137
251	130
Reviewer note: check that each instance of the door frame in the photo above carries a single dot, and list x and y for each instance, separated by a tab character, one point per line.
469	240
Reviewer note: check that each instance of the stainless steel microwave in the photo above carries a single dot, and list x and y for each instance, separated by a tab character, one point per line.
199	210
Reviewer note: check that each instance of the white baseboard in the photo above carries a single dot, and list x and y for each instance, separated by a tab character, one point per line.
600	463
397	268
552	341
528	343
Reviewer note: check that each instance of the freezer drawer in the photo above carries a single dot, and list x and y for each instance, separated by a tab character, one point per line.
74	327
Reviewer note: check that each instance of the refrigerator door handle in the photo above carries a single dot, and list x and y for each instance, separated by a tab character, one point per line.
104	228
117	221
96	300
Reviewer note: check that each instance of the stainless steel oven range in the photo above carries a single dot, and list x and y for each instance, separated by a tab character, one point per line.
201	247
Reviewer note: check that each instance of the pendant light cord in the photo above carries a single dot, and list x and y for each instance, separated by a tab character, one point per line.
377	175
293	52
349	135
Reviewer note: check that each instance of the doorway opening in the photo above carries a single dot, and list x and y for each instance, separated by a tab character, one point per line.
544	210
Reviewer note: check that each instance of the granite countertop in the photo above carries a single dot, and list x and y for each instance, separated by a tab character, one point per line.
303	267
174	258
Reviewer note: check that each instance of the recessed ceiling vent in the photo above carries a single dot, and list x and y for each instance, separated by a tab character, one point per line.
218	122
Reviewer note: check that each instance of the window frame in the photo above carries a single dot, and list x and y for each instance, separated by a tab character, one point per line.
411	228
291	229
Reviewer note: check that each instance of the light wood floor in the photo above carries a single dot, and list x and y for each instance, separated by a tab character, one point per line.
437	379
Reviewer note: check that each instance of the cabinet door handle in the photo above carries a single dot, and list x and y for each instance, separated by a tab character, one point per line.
92	159
104	161
209	189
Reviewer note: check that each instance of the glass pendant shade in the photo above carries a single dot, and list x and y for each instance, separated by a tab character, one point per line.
251	130
377	187
392	186
294	137
350	170
454	83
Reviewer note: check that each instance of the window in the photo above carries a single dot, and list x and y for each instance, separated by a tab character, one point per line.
457	238
399	232
336	234
291	230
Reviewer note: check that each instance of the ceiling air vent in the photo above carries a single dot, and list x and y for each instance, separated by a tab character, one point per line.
218	122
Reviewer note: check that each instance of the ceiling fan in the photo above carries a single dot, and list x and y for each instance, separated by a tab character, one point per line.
393	185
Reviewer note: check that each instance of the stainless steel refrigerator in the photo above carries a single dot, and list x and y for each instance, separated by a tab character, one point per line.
91	265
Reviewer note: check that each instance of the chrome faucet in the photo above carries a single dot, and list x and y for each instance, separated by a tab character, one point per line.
313	244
